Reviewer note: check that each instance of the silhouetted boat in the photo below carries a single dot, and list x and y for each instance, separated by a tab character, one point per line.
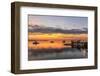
66	44
63	41
51	41
35	42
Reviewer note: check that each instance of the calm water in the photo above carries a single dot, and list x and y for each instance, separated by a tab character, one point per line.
47	44
48	50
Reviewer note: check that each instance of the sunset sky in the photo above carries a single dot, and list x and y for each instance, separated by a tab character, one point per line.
63	22
44	28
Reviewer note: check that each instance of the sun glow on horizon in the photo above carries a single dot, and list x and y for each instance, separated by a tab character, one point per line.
45	36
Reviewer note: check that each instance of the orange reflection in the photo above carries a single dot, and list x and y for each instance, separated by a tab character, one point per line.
54	40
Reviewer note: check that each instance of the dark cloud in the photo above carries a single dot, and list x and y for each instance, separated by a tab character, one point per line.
37	28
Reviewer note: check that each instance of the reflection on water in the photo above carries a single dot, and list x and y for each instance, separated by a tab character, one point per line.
46	44
48	50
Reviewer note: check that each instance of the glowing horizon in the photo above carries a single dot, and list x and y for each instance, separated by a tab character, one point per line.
56	36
